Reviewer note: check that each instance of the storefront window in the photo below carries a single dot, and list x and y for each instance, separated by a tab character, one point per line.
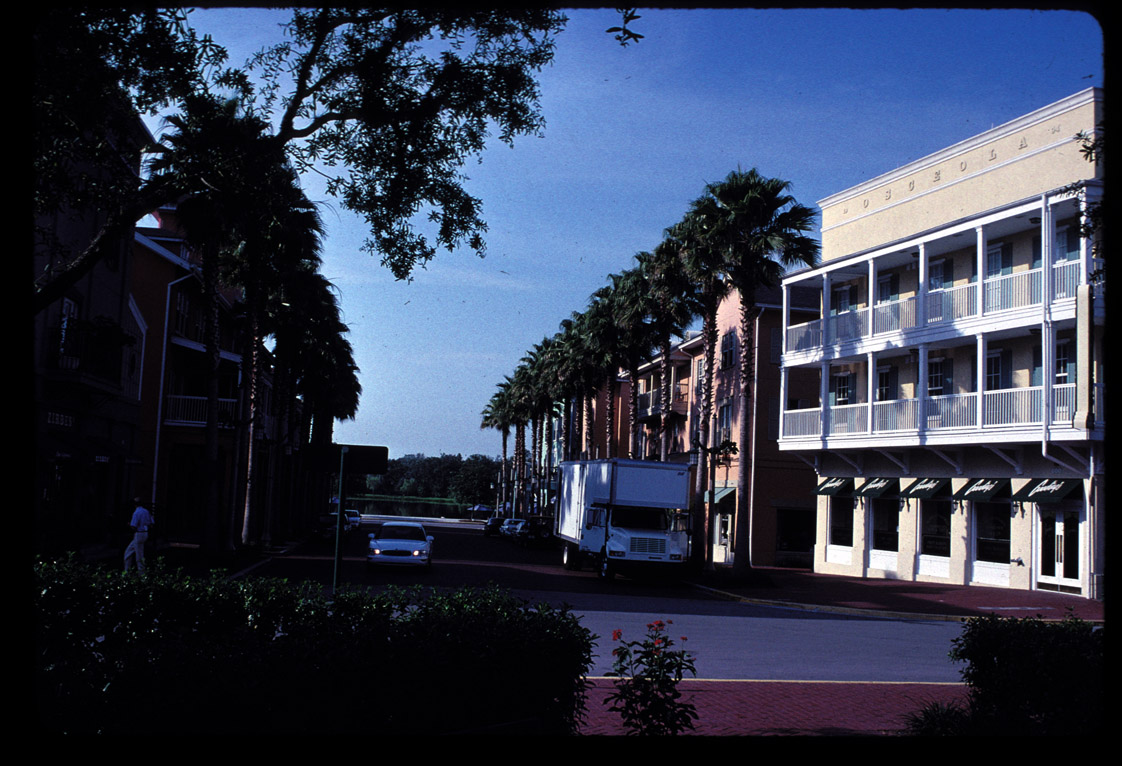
841	521
936	534
991	525
886	517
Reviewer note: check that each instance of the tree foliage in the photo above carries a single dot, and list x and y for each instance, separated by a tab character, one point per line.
388	103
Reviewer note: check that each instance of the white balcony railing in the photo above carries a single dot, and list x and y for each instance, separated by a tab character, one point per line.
847	419
1011	291
952	303
892	316
802	423
192	410
1013	406
952	411
1005	408
896	415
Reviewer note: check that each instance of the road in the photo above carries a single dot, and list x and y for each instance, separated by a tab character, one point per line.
730	640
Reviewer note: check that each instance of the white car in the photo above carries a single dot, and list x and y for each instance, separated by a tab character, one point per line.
351	519
400	543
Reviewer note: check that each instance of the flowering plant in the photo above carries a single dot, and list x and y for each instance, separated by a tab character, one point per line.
646	693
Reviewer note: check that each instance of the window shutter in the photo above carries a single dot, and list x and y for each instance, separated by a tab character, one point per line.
1037	377
1006	258
1006	368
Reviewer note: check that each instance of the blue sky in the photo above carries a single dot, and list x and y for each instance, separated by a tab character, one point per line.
822	98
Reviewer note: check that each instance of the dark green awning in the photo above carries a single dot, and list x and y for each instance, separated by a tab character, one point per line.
981	489
835	486
722	493
1047	490
924	489
877	487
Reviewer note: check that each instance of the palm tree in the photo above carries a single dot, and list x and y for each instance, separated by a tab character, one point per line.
704	263
630	309
498	414
217	155
286	240
762	231
672	307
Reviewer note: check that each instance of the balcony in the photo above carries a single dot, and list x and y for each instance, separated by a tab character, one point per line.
949	415
191	411
944	307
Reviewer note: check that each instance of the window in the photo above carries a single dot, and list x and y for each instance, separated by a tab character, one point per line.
724	423
1063	362
886	519
844	299
991	526
886	384
1067	244
841	521
935	528
935	377
999	372
999	259
728	350
700	369
842	388
936	276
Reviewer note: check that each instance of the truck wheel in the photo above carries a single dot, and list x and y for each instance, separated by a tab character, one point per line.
569	557
606	571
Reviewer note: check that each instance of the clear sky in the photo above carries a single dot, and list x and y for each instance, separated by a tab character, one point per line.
822	98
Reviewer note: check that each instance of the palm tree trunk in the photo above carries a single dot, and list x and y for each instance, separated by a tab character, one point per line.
704	434
214	538
664	406
251	375
633	413
610	417
742	547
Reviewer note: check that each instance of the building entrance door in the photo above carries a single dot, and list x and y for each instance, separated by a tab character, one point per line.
1060	565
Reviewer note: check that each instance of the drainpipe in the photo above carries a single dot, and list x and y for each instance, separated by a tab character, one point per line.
163	373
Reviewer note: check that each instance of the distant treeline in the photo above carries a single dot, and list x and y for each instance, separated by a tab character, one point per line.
470	480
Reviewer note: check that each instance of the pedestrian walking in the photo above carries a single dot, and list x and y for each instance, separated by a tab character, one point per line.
140	523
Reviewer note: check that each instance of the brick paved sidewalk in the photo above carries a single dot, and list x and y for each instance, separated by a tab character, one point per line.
780	708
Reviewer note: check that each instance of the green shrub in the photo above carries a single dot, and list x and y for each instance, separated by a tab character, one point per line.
1025	677
210	655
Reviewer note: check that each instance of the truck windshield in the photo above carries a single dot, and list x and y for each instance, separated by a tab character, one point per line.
640	518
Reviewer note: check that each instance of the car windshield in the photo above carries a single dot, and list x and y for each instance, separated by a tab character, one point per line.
400	532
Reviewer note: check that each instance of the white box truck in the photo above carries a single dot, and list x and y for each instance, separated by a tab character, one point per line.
623	514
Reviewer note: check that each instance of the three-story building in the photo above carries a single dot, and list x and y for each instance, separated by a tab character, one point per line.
958	429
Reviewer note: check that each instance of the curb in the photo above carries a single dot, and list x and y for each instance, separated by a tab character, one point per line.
831	609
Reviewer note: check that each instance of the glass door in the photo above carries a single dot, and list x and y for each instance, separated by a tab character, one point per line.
1059	547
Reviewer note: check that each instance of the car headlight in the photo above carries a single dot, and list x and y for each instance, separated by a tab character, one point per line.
376	551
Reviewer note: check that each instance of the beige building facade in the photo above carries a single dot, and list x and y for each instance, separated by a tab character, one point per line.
959	426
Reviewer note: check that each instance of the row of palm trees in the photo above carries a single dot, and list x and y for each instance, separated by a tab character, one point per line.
740	234
242	211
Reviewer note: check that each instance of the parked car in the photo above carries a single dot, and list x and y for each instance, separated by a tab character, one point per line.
351	519
510	527
537	530
492	526
400	543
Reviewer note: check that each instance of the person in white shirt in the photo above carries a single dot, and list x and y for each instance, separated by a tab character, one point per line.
141	521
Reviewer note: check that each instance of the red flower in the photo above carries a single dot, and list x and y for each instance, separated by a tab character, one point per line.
617	634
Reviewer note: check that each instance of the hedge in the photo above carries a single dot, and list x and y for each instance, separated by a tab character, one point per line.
168	654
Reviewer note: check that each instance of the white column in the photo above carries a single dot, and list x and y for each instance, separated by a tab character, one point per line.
980	255
980	384
921	389
921	308
871	386
824	396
